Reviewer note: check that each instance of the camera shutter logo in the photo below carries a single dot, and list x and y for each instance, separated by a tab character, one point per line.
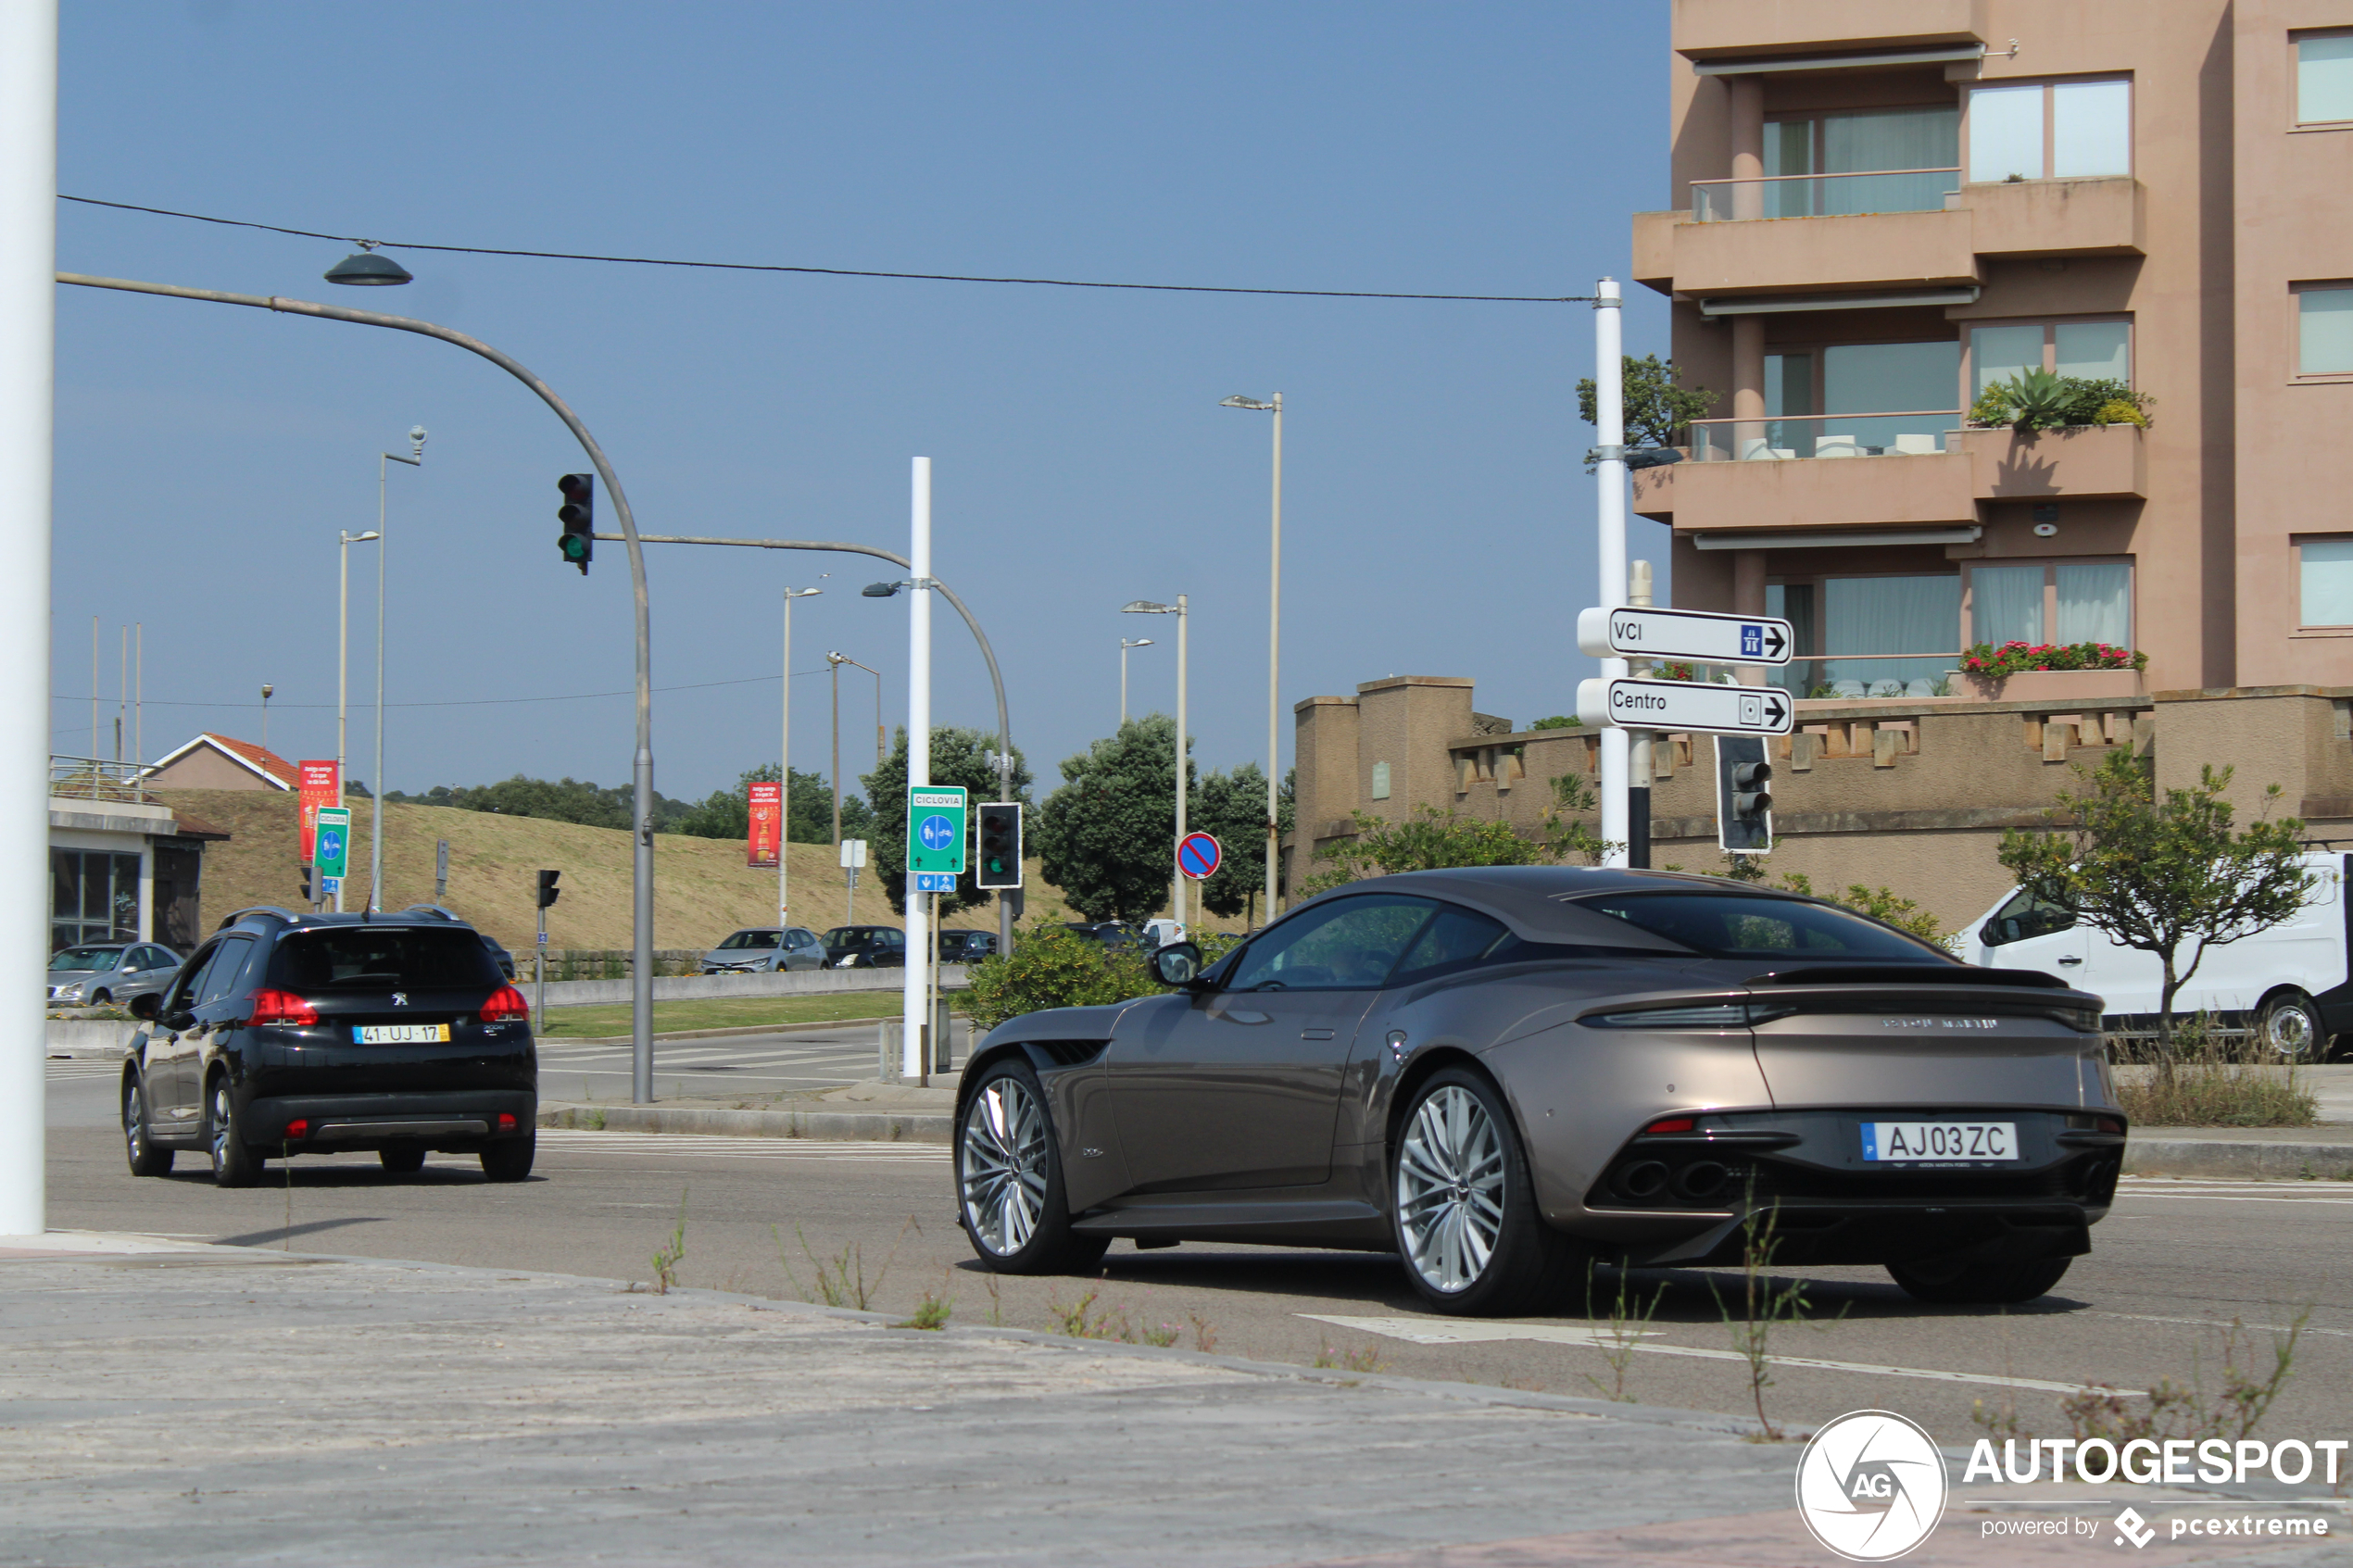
1870	1485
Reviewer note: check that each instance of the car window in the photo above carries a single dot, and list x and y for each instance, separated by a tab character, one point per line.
1347	945
893	938
147	957
99	959
1759	925
2022	918
762	939
221	974
1456	939
384	959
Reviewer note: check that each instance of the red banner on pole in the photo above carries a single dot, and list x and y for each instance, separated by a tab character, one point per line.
767	822
320	787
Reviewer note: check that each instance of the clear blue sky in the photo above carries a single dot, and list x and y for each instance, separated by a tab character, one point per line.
1437	520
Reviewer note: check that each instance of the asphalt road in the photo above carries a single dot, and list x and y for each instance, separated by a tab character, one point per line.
2170	1269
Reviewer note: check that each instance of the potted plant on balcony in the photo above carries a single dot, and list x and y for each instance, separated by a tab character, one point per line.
2024	671
2038	400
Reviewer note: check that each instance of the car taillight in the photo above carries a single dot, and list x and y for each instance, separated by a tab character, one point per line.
505	1003
2110	1124
507	1122
1672	1125
282	1007
297	1128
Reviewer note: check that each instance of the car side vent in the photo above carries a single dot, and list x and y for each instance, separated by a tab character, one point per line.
1071	1053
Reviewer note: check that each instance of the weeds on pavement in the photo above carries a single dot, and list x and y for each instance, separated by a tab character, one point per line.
594	1120
285	1161
996	1301
1365	1360
1164	1336
670	1253
2171	1412
1205	1334
1080	1321
930	1312
842	1279
1764	1305
1630	1319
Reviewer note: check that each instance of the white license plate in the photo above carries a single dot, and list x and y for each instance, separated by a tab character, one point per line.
1906	1142
399	1033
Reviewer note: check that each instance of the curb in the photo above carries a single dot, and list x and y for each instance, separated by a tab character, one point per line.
862	1126
2247	1159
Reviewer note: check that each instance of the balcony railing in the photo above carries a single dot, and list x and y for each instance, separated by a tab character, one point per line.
92	778
1920	434
1855	676
1823	196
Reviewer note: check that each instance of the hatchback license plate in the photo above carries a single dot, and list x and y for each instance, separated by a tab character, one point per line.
1903	1142
399	1033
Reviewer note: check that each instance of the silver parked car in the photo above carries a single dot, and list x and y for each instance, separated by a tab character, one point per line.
100	973
1507	1074
762	949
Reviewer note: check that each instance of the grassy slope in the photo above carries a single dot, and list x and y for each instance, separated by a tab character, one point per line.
702	889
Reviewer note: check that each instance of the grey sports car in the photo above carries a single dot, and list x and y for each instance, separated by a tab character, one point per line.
1508	1073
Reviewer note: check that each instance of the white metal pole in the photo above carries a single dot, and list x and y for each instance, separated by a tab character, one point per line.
1176	889
1609	516
1273	685
784	786
915	1000
1123	646
28	340
376	800
343	684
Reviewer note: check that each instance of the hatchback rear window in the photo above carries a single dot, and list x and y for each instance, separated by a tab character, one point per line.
384	959
762	939
1755	926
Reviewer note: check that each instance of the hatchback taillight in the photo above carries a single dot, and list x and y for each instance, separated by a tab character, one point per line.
505	1003
282	1007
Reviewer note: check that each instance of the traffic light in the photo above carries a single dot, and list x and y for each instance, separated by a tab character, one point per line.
578	514
549	891
1744	795
1000	845
308	896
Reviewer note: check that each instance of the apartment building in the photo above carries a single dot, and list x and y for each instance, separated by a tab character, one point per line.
1883	207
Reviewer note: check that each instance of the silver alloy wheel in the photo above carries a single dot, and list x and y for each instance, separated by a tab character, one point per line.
2287	1029
1002	1171
221	1131
134	1119
1450	1189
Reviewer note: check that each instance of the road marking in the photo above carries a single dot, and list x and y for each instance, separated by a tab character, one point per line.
706	1146
2210	1322
1457	1331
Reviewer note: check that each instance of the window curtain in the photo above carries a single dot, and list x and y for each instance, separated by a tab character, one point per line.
1794	602
1920	138
2096	604
2095	350
2000	353
2005	605
1890	615
1869	378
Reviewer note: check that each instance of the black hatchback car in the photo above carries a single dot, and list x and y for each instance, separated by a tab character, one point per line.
290	1034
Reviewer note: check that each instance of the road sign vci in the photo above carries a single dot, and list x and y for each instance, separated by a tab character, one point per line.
1199	856
331	849
936	832
1702	635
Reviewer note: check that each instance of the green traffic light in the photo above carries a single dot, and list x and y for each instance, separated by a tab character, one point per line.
574	546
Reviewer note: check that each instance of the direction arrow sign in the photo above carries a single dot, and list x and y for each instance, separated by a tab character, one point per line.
1626	632
1686	705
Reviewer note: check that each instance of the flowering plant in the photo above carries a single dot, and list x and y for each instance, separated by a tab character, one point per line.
1990	663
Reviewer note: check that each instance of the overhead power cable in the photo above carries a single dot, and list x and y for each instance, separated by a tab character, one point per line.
829	271
464	702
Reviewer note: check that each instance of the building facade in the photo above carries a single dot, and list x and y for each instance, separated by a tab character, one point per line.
212	762
1883	207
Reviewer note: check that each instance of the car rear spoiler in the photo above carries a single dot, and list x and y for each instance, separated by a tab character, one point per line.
1907	975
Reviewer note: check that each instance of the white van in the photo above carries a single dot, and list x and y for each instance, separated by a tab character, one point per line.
2291	983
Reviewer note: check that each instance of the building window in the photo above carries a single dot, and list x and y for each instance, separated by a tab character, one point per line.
2323	329
1857	399
1381	781
2052	602
2325	79
2050	129
1898	159
1889	637
94	896
2093	350
2324	582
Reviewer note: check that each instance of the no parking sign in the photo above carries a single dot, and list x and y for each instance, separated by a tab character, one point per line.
1199	856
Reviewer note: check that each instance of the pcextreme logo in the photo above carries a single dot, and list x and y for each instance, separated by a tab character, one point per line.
1870	1485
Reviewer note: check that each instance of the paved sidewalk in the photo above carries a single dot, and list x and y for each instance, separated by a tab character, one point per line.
174	1404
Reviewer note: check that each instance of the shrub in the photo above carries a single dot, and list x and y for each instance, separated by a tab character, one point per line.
1053	968
2039	399
1993	663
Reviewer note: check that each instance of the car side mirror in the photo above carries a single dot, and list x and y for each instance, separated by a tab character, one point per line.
144	1005
1177	964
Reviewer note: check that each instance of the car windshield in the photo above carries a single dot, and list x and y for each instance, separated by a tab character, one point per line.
843	936
87	958
749	939
1759	925
384	959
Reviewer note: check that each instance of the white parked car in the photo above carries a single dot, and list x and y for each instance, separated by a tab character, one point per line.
1162	931
2292	983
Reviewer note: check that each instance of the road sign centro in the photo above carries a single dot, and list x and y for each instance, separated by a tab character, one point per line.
936	818
1199	856
1688	706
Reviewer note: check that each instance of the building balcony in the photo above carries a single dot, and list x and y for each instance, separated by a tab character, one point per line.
1880	472
1884	230
1727	29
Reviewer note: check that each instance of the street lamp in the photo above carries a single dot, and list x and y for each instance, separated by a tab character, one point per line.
784	771
1124	644
1176	878
343	663
368	269
266	689
376	807
1273	643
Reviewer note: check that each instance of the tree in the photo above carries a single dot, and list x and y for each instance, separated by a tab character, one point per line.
1107	835
2159	874
1231	808
1657	410
1426	842
562	800
1879	903
958	757
726	813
